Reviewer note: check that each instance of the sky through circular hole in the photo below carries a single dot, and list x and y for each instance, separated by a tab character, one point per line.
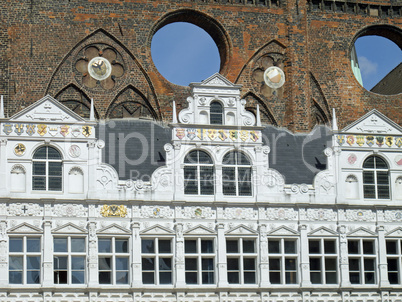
377	56
184	53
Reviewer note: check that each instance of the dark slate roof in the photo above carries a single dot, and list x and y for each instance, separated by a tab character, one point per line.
134	147
391	83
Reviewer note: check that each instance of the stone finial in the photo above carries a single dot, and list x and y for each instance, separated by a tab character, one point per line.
2	108
258	115
92	113
174	118
334	122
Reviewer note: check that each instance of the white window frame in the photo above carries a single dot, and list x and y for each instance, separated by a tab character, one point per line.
394	268
157	255
322	255
236	182
283	258
375	171
361	258
70	255
47	175
25	254
198	166
113	255
200	257
242	256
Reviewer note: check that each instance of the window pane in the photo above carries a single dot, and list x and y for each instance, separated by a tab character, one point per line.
40	153
368	177
165	278
354	264
190	173
369	278
55	168
249	277
39	168
60	277
330	264
60	244
331	278
191	278
242	159
233	264
380	163
191	158
248	246
207	278
38	183
164	246
191	264
233	278
354	278
121	263
121	245
165	264
52	153
329	247
33	262
104	263
315	264
245	189
392	247
60	263
244	174
290	278
104	245
148	264
148	278
204	158
369	191
33	277
353	247
232	246
275	277
274	264
368	247
393	278
314	246
15	263
228	173
121	277
290	264
383	192
190	246
78	263
369	163
15	245
55	183
190	187
249	264
78	277
273	246
207	246
104	278
229	188
382	178
290	247
315	277
78	245
369	264
147	246
15	277
229	159
207	264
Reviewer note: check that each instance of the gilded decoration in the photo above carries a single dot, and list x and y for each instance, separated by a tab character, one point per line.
113	211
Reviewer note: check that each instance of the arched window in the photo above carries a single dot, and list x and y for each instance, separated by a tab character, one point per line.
47	170
198	174
375	178
216	113
236	174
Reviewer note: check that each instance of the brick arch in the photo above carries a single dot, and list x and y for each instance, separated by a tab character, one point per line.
266	115
204	21
318	95
130	102
135	74
390	32
318	115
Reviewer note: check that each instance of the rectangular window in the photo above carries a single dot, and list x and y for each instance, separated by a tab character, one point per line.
69	260
241	261
394	257
323	261
199	261
282	261
362	261
24	260
157	261
113	262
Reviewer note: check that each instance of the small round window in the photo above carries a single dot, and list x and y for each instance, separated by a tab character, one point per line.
184	53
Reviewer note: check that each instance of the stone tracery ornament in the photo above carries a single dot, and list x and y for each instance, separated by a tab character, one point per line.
99	65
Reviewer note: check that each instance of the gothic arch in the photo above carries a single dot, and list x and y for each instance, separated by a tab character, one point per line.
319	106
266	114
133	73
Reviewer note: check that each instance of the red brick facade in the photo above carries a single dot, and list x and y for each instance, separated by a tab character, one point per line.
42	41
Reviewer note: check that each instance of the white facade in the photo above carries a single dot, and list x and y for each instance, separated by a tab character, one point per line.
215	224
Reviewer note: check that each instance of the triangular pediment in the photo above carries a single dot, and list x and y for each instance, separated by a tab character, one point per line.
374	122
25	228
241	230
114	229
157	230
200	229
47	109
283	230
322	231
217	80
69	228
361	232
395	232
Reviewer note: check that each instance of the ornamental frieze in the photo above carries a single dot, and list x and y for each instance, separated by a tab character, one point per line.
239	213
369	140
281	214
156	212
321	214
45	130
198	212
24	209
221	135
70	210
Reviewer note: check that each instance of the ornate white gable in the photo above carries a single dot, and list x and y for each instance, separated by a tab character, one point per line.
25	228
157	230
374	122
200	229
283	230
216	89
395	232
361	232
322	231
46	110
114	229
241	230
69	228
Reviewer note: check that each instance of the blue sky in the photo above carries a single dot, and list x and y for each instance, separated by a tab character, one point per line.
185	53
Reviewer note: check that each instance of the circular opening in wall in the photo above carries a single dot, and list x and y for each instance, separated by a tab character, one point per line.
376	60
184	53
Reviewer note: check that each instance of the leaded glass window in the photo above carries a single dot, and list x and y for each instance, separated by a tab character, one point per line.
376	178
199	174
236	174
47	170
216	113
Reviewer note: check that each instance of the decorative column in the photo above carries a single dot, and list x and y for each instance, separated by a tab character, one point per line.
47	254
343	257
179	261
136	274
3	254
218	183
221	257
382	258
304	256
93	278
264	260
3	164
92	162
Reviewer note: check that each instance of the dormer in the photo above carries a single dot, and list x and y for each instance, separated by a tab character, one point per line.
216	101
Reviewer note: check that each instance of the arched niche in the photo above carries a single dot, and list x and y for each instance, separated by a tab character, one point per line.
18	179
76	180
351	187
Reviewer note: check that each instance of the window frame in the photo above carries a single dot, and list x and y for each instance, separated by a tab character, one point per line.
157	255
200	257
323	256
200	183
47	165
282	256
236	166
25	255
215	117
375	172
113	255
70	255
397	257
362	257
241	255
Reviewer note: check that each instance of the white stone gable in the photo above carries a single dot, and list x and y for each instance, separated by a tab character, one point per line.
69	228
157	230
241	230
395	232
114	229
283	230
25	228
361	231
46	110
374	122
217	80
200	229
322	231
